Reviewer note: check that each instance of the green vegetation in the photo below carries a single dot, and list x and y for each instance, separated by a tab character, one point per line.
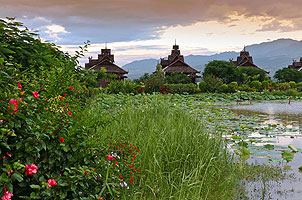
287	75
227	72
179	158
178	78
63	139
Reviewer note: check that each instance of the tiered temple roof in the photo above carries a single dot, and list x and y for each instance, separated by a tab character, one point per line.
176	63
297	65
106	60
245	60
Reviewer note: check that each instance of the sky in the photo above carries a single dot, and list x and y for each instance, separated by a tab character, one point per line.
140	29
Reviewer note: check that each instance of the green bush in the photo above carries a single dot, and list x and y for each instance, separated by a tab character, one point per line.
181	88
233	87
274	85
122	86
256	85
252	74
154	83
292	84
178	78
291	92
213	83
203	86
265	85
224	88
299	86
284	86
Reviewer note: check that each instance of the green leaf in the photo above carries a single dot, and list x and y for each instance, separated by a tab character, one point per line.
245	152
35	187
269	146
5	145
17	177
293	148
288	156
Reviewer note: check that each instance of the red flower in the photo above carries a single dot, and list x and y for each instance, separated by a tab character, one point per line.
61	98
51	182
31	169
15	103
69	112
62	139
109	157
36	95
19	84
7	195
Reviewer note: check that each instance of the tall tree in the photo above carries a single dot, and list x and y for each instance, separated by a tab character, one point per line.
225	71
287	75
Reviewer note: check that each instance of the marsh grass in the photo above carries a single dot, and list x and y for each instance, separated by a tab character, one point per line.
179	158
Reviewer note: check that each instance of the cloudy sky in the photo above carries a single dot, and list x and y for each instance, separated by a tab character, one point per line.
138	29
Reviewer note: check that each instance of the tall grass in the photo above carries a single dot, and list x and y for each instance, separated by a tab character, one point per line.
179	158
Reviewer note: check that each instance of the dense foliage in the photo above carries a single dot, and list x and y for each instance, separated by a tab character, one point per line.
45	149
227	72
181	88
178	78
287	75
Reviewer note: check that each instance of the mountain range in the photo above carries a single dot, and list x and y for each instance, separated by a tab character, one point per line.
269	56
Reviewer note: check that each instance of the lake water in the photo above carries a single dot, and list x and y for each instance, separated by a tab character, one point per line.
275	126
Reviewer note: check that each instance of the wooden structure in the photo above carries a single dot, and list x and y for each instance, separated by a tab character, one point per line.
297	65
176	63
106	60
245	60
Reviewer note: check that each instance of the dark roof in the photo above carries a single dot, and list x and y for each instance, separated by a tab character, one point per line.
297	65
106	60
176	63
110	67
245	60
180	67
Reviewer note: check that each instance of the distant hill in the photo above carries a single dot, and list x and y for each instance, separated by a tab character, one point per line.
270	56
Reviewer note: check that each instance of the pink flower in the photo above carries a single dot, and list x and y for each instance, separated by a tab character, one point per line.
109	157
1	120
69	112
31	169
19	84
15	103
7	195
36	95
62	139
51	182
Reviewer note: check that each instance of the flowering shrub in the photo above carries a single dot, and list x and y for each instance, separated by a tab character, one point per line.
43	146
154	83
43	153
181	88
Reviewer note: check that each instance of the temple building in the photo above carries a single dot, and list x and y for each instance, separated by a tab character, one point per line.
297	65
176	63
245	60
106	60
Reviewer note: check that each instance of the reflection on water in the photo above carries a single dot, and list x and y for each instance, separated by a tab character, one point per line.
279	124
294	108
